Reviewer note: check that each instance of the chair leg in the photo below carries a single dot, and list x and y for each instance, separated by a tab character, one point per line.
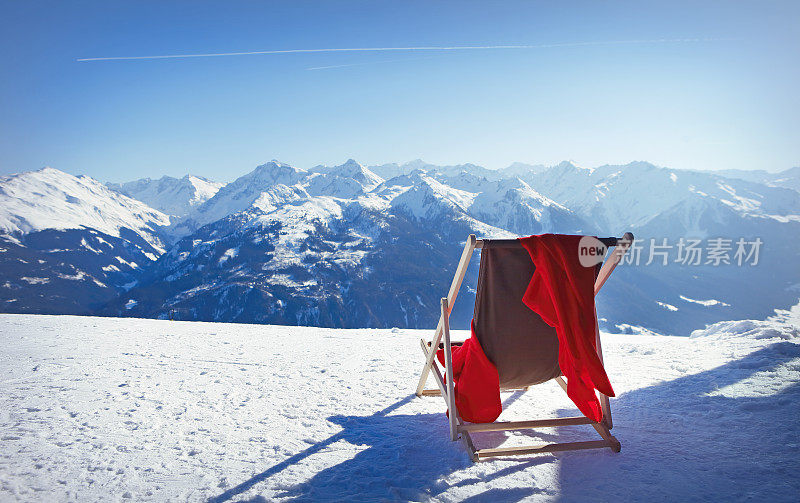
473	452
602	429
448	363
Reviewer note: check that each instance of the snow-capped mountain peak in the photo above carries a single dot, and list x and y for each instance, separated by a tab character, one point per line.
514	205
619	196
429	198
359	173
510	187
463	181
173	196
521	168
241	193
387	171
69	244
570	166
346	180
204	188
51	199
271	173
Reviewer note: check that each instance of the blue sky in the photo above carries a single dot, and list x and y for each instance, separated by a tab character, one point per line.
618	82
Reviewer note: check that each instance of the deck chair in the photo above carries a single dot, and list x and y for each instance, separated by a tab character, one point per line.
520	344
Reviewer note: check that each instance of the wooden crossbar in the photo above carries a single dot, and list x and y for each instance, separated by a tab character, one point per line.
452	343
437	376
539	449
525	425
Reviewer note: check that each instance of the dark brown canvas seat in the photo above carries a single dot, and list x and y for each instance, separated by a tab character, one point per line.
520	344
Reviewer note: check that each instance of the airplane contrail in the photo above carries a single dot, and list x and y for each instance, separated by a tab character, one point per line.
407	49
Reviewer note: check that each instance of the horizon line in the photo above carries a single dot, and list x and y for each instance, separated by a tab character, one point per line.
587	166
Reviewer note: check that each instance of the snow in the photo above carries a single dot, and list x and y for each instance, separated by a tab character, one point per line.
35	280
387	171
88	247
51	199
755	329
354	171
428	198
790	316
132	265
707	303
100	409
244	191
325	184
173	196
622	196
78	276
513	205
228	254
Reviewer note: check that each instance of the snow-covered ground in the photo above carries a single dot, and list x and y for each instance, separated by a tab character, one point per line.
104	409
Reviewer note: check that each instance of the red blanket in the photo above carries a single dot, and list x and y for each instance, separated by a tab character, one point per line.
476	383
561	291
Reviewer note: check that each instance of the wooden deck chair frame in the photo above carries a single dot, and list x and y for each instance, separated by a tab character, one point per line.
459	428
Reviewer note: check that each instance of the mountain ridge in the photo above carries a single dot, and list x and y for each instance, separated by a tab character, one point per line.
173	196
332	244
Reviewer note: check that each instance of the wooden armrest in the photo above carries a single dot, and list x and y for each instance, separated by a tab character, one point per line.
452	344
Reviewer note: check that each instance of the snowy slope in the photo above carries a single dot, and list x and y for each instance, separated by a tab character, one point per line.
102	409
630	196
352	170
789	178
325	247
514	205
518	169
70	244
308	215
427	198
173	196
317	261
240	194
51	199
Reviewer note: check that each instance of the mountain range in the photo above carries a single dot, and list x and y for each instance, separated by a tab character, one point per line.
357	246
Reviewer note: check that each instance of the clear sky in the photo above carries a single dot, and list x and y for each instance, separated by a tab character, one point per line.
699	85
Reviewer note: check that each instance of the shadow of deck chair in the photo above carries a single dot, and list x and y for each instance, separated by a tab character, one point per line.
520	344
